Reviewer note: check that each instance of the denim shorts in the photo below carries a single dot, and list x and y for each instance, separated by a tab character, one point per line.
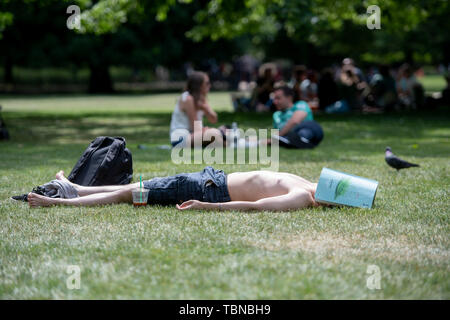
208	185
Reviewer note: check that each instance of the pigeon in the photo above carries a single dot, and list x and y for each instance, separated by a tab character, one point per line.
395	162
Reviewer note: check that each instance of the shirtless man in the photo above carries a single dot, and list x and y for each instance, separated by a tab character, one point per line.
209	189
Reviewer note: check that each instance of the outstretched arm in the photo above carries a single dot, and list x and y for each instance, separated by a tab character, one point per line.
296	199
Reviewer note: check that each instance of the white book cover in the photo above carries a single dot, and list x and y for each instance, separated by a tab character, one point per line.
341	188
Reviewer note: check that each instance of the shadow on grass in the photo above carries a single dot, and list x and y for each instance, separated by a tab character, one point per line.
52	139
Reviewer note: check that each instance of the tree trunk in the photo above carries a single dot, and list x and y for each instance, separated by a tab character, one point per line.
8	66
446	53
409	56
100	79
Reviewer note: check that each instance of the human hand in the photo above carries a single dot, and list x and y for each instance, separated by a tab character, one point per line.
314	203
265	142
203	104
212	117
191	204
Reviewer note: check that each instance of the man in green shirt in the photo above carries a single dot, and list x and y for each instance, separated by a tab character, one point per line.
295	121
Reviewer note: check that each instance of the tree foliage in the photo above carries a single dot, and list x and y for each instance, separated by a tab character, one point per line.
333	27
145	33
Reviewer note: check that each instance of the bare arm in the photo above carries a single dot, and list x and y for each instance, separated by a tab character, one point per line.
189	108
210	114
295	199
296	118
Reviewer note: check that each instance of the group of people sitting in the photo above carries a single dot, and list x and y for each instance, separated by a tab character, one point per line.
338	89
293	117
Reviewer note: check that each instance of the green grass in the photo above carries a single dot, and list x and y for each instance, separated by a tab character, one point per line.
433	83
93	104
160	253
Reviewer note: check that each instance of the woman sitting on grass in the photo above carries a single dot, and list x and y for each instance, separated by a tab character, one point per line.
209	189
191	107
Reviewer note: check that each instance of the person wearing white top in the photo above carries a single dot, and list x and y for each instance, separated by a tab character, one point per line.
186	125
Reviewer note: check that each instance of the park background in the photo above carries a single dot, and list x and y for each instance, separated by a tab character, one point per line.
121	74
123	42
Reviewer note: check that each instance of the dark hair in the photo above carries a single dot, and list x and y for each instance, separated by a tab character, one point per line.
288	92
327	73
194	84
406	69
300	70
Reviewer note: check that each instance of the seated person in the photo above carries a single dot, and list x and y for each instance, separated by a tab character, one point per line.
309	89
349	90
264	86
327	89
410	91
383	92
298	76
191	107
295	121
207	189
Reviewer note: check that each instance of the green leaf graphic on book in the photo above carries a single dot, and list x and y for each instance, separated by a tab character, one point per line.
342	187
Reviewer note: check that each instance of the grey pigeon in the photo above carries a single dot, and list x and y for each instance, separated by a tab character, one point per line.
395	162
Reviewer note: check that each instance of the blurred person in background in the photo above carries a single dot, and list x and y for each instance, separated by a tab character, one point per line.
363	88
308	89
298	76
327	89
348	91
349	62
410	91
383	94
261	100
193	106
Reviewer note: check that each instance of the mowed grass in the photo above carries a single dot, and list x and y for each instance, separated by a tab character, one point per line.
433	83
161	253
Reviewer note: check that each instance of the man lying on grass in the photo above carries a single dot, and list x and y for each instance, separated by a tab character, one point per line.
209	189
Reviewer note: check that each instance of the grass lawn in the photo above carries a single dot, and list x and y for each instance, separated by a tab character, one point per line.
433	83
160	253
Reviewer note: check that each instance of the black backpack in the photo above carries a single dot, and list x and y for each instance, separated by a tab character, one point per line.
105	162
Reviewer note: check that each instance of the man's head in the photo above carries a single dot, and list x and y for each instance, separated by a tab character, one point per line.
283	97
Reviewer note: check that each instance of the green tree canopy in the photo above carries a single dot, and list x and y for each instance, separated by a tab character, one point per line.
145	33
336	27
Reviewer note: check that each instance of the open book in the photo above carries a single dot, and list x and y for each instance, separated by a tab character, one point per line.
339	188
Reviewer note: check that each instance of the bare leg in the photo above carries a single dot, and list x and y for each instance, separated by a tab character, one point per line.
118	196
84	191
